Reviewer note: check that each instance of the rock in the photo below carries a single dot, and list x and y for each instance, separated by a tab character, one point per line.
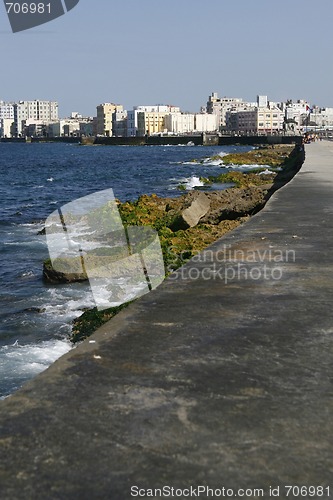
190	216
233	203
72	275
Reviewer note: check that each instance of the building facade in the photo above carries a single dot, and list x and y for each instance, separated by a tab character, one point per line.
258	120
179	123
6	127
105	118
27	112
148	123
220	106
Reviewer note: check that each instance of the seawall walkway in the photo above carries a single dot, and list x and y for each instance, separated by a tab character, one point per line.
222	377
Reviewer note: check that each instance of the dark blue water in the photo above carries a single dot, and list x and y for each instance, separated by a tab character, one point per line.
36	179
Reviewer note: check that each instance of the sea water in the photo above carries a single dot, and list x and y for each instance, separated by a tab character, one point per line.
36	179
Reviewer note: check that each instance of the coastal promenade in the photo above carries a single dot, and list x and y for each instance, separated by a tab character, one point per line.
222	377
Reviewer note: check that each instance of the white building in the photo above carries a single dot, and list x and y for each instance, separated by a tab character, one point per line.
262	101
204	122
67	127
6	125
296	114
33	111
6	110
322	117
179	123
6	118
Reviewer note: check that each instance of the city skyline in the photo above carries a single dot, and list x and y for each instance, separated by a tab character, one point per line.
175	53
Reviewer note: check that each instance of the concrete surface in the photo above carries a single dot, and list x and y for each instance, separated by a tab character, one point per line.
201	382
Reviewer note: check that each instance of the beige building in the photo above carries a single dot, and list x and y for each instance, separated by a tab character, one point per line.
105	118
151	123
220	106
259	120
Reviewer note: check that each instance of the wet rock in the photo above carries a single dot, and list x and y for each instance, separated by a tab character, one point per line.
72	275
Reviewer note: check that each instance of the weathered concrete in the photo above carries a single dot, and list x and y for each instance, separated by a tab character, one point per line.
201	382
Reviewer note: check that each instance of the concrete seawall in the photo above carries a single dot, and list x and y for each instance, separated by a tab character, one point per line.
156	140
221	377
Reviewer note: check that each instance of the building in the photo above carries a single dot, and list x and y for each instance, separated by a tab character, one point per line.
27	112
221	106
35	128
105	118
87	127
296	114
262	101
321	117
257	121
151	123
205	122
179	123
149	120
119	123
146	122
6	118
243	122
6	110
6	127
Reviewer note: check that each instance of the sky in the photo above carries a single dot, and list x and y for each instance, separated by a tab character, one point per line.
176	52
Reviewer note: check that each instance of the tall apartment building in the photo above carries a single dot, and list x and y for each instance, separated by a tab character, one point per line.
105	117
220	106
33	111
119	123
6	118
6	110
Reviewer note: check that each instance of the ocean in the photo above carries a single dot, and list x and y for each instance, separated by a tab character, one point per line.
36	179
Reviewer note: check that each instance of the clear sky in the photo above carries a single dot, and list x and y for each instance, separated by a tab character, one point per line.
172	52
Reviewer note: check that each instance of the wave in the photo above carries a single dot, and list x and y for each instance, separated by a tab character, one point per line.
22	362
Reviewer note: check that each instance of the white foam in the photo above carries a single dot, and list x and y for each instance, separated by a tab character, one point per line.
28	360
212	163
265	172
193	182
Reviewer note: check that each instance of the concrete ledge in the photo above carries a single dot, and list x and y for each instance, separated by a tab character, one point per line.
201	382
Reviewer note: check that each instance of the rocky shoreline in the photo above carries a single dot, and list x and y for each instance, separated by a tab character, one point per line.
189	223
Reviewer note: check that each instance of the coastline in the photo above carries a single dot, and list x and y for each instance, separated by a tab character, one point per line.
228	209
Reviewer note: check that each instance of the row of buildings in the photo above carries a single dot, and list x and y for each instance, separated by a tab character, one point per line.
220	115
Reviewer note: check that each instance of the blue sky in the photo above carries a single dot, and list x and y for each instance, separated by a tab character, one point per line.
172	52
